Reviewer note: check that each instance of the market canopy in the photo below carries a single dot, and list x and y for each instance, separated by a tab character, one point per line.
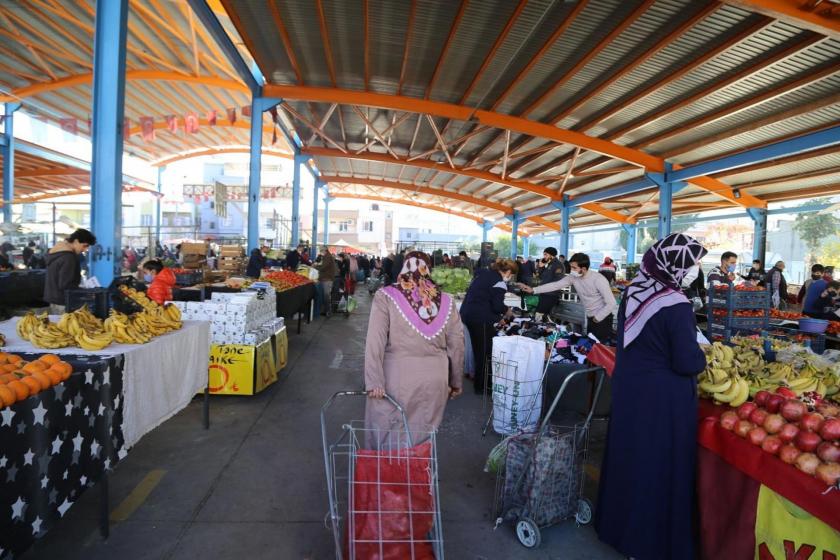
512	105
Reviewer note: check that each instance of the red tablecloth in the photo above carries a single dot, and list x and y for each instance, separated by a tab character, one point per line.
803	490
604	356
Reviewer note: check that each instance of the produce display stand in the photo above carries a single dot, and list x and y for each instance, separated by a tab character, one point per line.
58	443
723	321
22	286
297	300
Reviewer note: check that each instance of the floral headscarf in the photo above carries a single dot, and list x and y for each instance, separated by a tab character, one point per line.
418	298
657	285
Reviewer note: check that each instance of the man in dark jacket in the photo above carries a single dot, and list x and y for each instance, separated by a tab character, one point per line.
63	268
778	285
526	270
292	259
550	270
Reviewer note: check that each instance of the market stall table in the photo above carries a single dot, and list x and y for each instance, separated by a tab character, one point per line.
296	300
56	444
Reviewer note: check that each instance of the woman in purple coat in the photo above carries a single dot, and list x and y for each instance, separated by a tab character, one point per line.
646	495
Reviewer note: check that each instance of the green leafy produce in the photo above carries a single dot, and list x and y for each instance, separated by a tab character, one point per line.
452	280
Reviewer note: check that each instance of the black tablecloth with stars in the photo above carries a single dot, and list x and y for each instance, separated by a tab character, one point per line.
56	444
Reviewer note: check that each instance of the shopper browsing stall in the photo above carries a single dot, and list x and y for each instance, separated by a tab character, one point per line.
816	274
526	270
725	272
483	307
64	269
414	350
646	494
775	280
327	271
608	269
821	300
594	292
160	279
256	262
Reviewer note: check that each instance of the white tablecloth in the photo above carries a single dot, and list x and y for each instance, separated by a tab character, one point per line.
159	378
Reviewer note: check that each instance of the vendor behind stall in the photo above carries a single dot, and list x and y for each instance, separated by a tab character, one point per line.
594	292
755	274
549	270
6	256
725	272
160	279
256	262
483	307
64	269
816	273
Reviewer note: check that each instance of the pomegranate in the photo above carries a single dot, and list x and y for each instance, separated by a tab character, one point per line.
793	410
773	423
743	427
788	432
774	403
746	409
728	420
828	409
829	452
829	473
761	398
812	421
785	392
758	416
806	441
757	435
772	444
830	430
808	463
788	453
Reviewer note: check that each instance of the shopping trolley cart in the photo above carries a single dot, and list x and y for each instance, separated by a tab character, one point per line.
382	486
541	481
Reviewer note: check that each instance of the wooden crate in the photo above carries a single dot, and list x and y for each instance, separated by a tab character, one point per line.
194	249
232	251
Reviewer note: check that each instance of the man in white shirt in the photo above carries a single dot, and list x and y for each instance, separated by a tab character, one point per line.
594	292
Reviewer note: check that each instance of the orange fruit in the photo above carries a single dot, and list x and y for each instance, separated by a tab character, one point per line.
7	377
7	396
3	357
13	358
21	390
32	383
43	379
34	367
54	375
49	359
8	368
63	368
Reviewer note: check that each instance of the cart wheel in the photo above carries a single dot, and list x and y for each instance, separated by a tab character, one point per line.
528	533
584	512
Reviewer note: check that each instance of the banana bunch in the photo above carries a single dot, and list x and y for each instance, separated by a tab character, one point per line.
173	313
139	297
86	329
27	324
125	329
46	334
813	379
721	380
93	341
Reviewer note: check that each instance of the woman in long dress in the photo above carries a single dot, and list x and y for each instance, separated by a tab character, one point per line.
646	495
414	350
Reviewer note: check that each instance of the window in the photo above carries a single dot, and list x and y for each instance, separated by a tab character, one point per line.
212	225
344	226
269	223
374	207
145	219
28	214
367	225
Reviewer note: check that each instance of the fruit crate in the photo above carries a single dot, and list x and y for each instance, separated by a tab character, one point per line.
816	341
733	299
190	278
98	300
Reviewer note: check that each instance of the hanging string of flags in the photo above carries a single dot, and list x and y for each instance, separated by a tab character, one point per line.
190	123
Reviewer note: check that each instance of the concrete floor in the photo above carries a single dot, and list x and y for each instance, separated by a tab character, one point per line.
253	486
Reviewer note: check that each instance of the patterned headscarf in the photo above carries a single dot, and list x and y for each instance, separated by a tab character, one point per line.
418	298
657	285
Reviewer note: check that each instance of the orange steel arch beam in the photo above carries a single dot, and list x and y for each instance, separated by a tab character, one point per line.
506	122
216	151
203	123
471	217
151	75
411	187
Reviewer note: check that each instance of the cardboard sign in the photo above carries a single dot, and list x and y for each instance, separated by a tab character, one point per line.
241	369
784	531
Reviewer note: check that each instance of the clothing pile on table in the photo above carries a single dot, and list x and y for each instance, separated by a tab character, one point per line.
569	347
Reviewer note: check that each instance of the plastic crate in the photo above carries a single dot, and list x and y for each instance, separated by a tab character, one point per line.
179	294
815	340
746	323
190	278
733	299
98	300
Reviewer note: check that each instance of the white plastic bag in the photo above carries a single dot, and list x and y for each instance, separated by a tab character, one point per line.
517	366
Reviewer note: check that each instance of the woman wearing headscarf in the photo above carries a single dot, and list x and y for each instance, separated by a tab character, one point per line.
414	349
646	495
608	269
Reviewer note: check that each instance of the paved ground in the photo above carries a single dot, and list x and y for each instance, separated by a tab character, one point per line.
253	486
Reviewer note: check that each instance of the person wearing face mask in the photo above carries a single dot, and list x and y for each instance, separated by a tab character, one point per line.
778	286
550	269
594	292
816	273
820	301
160	280
483	307
755	274
725	273
650	461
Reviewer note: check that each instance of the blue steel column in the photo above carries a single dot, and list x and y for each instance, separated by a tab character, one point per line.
485	227
299	162
526	247
514	234
666	194
108	105
327	200
255	175
9	160
161	169
631	242
565	213
759	217
318	184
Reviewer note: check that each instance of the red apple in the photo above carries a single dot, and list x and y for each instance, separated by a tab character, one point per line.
757	435
758	416
785	392
793	410
761	398
812	421
806	441
829	473
829	452
728	420
774	403
788	432
788	453
743	427
830	430
746	409
773	423
772	444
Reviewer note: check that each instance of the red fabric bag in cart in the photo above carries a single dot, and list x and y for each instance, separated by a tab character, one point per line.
393	509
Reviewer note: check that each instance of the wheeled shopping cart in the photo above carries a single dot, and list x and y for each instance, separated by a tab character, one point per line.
541	480
383	489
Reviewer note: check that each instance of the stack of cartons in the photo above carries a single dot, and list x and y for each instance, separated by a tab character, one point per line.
194	255
232	259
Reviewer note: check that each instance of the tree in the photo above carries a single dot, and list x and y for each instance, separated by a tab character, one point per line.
647	236
830	252
502	246
813	228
